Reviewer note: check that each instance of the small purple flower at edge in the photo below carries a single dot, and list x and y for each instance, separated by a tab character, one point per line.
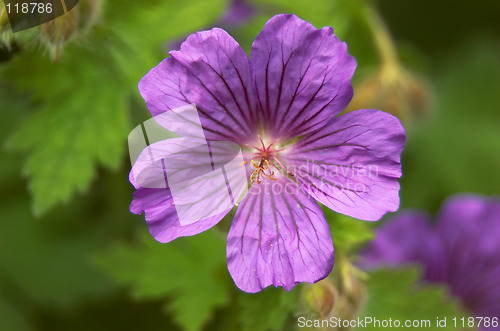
280	106
237	13
461	250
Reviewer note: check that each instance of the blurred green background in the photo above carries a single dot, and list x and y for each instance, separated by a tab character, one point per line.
73	257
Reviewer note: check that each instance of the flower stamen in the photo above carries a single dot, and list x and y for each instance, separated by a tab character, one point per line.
282	166
266	155
260	170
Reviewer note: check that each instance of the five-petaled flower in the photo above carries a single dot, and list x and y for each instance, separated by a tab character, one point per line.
280	106
461	250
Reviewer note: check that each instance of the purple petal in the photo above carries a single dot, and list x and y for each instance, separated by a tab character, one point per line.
213	72
184	121
352	165
187	157
470	215
462	251
183	181
161	215
469	226
278	237
302	75
405	239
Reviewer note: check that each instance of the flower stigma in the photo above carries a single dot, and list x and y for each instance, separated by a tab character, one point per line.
267	158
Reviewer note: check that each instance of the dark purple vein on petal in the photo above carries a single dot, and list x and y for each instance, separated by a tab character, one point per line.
209	117
309	140
333	146
309	182
275	218
296	92
260	219
242	113
251	109
268	109
292	218
238	123
185	99
303	122
246	222
280	89
299	113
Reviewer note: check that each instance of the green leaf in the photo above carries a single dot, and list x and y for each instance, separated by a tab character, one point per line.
144	29
347	232
397	294
13	107
191	272
269	309
45	263
48	262
81	120
12	319
81	104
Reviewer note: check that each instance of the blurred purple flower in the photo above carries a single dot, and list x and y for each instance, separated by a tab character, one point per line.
280	107
462	249
237	13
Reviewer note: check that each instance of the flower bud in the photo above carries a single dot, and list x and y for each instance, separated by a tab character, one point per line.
4	19
352	297
8	47
341	295
357	294
329	298
320	298
9	44
56	33
89	13
395	90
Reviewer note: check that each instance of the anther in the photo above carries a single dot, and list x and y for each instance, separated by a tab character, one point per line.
260	170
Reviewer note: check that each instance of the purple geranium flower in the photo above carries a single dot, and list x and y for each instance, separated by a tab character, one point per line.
237	13
280	108
462	249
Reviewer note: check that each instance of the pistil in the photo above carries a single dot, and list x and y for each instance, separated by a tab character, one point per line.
268	157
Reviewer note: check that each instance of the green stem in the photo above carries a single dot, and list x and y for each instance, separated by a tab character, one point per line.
348	270
382	38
